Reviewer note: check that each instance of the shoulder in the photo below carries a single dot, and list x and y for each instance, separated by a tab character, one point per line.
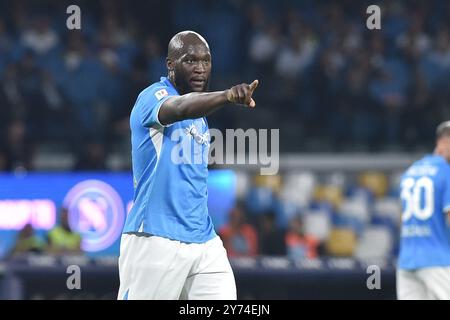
157	90
414	167
155	93
408	170
445	169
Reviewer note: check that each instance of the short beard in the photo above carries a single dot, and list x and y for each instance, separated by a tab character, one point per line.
206	87
183	86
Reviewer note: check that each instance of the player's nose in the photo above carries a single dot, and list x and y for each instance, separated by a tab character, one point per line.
200	68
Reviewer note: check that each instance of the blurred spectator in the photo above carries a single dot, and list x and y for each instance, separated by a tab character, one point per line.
239	238
155	60
28	242
298	54
12	102
80	76
300	245
36	95
5	45
17	147
264	46
57	114
91	157
257	17
441	51
62	239
271	237
113	32
39	37
414	43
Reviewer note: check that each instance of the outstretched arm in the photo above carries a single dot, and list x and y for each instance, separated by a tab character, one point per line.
196	105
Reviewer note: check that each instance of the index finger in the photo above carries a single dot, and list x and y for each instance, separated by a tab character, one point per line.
253	85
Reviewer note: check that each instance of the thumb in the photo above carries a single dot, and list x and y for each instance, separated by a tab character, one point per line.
253	85
252	103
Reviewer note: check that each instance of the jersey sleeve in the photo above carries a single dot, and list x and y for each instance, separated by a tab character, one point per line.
446	197
151	102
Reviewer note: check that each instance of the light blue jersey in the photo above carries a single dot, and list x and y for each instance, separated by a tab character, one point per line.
425	195
169	171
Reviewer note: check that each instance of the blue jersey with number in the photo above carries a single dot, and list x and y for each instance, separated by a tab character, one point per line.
425	195
169	170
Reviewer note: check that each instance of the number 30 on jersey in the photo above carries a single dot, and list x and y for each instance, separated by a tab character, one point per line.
421	207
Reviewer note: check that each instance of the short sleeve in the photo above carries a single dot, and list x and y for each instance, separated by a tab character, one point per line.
446	197
151	101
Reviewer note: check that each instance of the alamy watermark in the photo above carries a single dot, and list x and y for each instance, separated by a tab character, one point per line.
237	147
73	22
374	20
374	280
73	281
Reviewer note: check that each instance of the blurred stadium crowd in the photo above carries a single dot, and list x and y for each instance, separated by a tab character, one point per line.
306	215
326	80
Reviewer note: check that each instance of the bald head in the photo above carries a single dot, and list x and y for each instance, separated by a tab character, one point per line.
189	62
182	41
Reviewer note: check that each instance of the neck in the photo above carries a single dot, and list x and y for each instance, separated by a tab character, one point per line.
171	77
437	152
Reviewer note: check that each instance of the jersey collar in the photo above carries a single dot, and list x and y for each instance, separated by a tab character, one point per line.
167	82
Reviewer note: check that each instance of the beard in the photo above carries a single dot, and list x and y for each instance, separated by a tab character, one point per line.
183	86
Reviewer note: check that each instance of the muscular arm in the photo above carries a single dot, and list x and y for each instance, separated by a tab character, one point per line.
191	106
196	105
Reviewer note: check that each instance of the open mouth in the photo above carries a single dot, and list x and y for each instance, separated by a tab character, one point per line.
198	82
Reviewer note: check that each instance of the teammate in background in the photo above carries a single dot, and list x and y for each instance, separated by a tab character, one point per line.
424	261
169	249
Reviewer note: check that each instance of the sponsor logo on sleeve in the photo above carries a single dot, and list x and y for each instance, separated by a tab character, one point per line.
161	94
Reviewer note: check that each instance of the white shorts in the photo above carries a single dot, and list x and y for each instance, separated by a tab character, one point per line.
424	284
152	267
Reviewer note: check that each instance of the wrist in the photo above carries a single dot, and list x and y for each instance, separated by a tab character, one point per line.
227	95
